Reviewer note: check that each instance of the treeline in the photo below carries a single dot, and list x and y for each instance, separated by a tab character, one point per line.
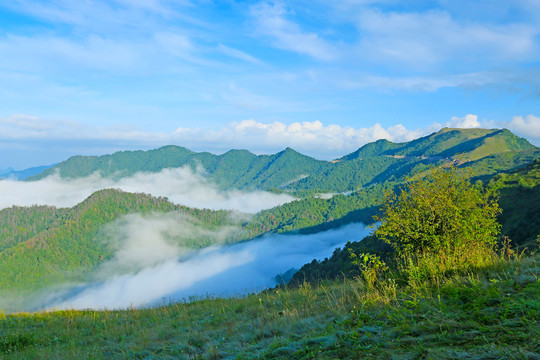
21	223
520	202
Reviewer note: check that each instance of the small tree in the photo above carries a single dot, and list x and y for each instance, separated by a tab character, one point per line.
442	212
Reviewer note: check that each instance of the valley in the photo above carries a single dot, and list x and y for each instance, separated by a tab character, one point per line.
118	249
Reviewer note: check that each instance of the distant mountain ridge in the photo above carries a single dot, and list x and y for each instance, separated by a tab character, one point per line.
11	173
485	151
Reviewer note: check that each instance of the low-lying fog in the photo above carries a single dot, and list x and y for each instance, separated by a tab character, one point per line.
232	270
181	185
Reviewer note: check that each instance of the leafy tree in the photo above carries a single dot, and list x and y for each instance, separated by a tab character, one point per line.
442	212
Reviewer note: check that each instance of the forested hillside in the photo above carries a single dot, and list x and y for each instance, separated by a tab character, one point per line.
520	201
43	245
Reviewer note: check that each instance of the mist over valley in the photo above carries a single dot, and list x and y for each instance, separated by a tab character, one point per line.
216	271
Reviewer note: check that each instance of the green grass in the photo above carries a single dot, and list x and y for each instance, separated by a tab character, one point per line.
489	314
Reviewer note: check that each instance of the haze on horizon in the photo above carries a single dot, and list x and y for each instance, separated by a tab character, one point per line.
94	77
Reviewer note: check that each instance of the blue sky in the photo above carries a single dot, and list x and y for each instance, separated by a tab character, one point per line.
324	77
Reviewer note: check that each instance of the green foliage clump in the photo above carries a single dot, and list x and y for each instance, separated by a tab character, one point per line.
442	212
339	265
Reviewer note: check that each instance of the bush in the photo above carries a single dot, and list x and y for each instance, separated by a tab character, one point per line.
441	212
440	223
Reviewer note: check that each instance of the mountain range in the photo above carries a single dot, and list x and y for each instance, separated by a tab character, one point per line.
482	151
42	245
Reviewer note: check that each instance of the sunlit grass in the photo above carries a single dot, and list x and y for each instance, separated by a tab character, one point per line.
492	313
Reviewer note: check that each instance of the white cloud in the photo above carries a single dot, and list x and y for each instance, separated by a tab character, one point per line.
270	21
180	185
102	15
466	122
235	53
310	137
31	127
141	241
424	83
525	126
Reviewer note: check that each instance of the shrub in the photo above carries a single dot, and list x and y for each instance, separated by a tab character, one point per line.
441	212
440	223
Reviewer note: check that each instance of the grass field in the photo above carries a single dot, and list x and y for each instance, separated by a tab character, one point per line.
490	314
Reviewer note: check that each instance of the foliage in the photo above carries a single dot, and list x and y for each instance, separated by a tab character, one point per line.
19	224
339	265
519	200
371	267
440	213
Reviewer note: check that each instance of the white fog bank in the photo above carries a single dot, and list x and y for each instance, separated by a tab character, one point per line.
181	185
233	270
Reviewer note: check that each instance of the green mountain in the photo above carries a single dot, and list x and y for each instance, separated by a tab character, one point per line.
42	245
484	152
460	316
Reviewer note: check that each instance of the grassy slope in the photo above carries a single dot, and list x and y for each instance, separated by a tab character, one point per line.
493	314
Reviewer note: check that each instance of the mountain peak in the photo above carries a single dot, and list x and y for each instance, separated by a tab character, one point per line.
377	148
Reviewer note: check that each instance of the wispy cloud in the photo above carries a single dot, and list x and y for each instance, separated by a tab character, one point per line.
235	53
271	21
425	83
434	37
100	16
158	65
